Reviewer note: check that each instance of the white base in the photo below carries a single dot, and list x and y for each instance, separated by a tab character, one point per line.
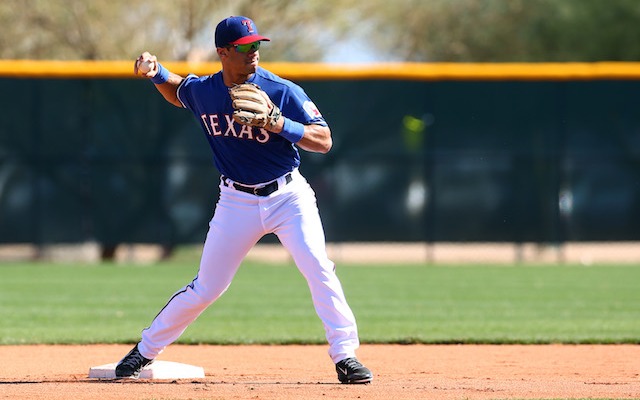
157	370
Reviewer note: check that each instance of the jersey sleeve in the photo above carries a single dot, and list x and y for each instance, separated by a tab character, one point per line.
298	106
185	92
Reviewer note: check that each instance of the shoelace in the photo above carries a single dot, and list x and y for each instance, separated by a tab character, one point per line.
352	364
134	360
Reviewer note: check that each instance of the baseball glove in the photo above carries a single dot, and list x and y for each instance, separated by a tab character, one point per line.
252	106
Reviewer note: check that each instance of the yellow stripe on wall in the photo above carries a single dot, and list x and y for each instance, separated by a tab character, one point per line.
320	71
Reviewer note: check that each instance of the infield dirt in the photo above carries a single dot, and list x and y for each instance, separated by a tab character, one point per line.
306	372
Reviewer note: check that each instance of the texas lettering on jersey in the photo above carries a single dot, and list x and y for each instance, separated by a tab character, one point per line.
225	126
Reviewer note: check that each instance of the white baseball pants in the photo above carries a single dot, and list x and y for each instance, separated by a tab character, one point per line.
239	221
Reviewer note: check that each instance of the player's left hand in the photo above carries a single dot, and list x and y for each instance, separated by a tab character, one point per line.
253	107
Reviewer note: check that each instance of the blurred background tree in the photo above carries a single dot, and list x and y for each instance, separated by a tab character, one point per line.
328	30
506	30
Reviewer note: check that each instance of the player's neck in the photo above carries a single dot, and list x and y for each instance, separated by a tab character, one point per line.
231	79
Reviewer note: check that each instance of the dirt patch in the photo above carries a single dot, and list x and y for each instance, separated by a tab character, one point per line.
585	253
306	372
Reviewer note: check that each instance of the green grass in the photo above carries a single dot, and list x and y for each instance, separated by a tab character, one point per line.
107	303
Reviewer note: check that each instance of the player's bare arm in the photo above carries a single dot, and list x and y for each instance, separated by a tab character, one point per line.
316	138
147	65
169	89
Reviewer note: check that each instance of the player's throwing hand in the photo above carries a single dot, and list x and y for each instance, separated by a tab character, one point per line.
146	65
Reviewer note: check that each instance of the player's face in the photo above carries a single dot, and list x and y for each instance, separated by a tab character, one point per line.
243	59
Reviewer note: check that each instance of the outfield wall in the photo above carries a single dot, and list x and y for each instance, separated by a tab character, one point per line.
520	153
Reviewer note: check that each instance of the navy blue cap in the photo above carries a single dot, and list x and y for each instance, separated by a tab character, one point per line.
237	30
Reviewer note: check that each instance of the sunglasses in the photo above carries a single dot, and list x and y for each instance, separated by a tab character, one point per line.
245	48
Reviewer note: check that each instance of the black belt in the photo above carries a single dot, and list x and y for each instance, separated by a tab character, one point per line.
261	191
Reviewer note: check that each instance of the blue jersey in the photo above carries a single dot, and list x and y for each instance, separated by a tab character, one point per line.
247	154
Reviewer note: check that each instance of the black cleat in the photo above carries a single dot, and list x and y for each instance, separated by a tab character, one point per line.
351	371
131	365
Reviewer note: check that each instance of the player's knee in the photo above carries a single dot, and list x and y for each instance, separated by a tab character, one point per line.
208	294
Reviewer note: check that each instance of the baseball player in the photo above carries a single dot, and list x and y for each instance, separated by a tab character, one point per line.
254	122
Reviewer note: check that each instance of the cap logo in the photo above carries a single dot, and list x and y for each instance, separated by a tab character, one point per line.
248	25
